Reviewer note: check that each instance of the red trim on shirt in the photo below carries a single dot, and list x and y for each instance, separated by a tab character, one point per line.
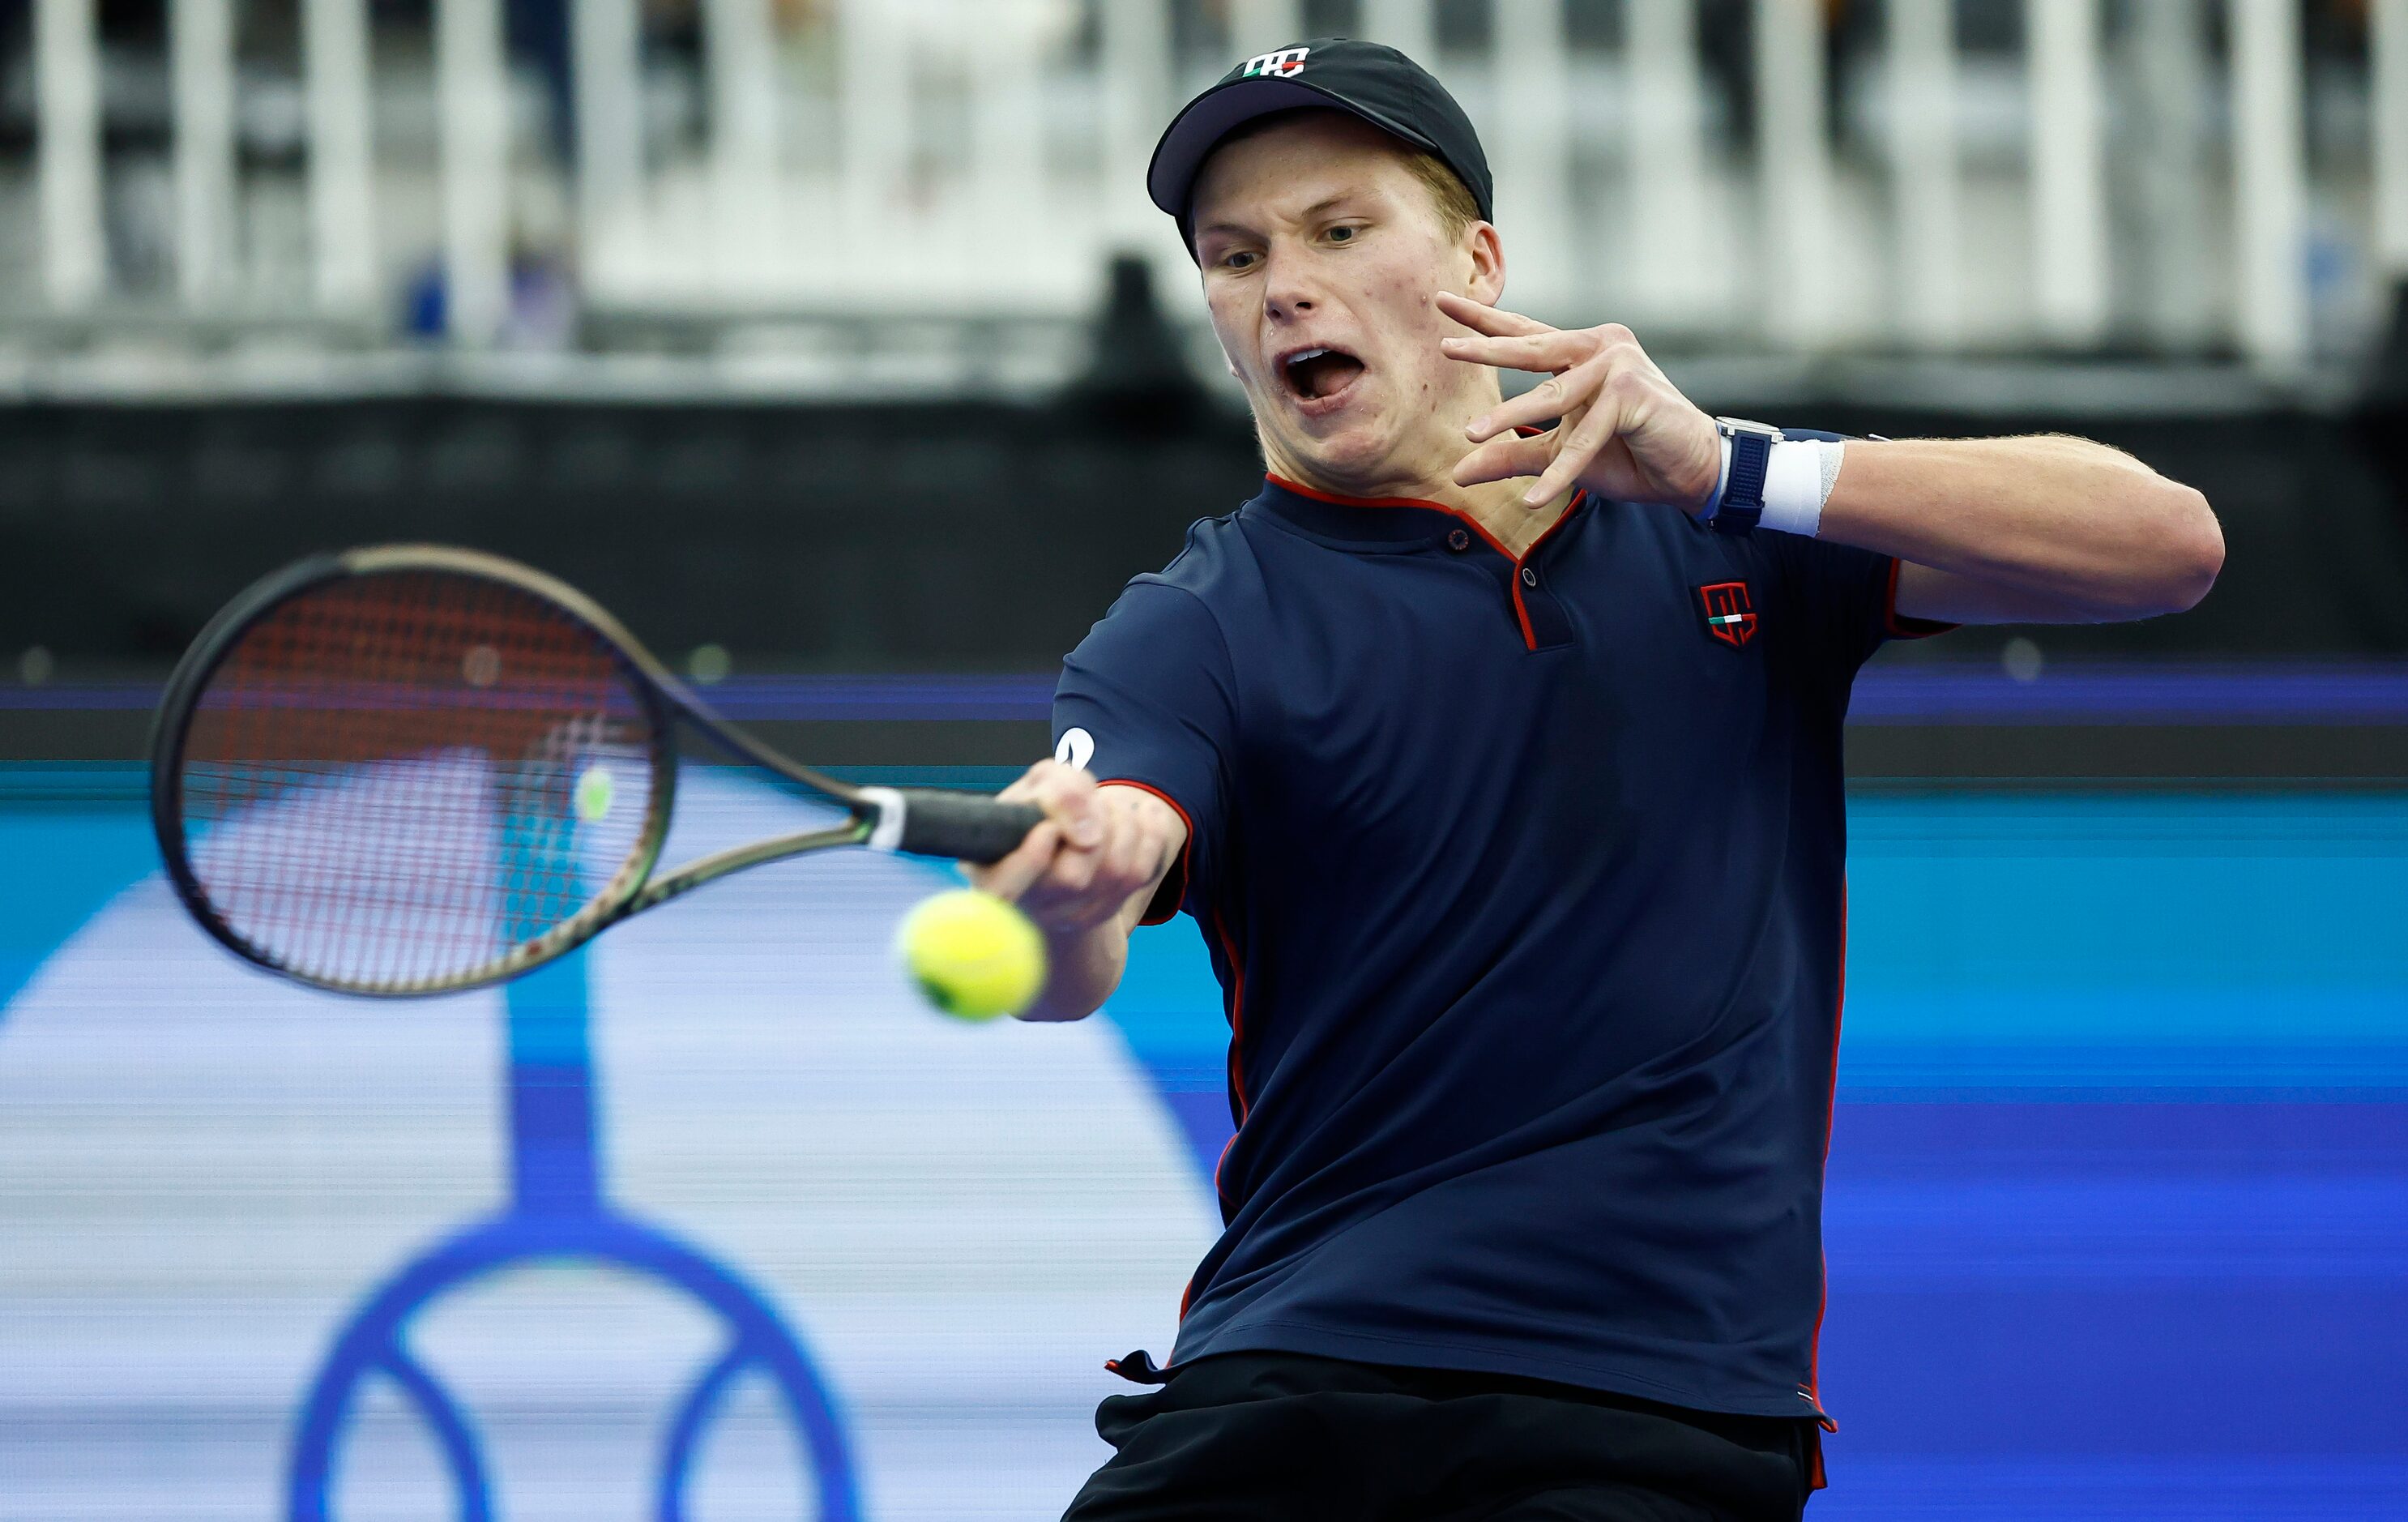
1522	616
1237	1024
1468	520
1521	612
1237	1069
1220	1199
1178	871
1899	625
1220	930
1831	1114
1529	636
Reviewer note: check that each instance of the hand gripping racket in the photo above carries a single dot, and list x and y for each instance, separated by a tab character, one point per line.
411	769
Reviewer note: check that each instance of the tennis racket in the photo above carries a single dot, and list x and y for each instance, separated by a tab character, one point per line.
410	769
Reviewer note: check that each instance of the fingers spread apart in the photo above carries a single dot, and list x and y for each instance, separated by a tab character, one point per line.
1556	396
1495	321
1504	459
1548	350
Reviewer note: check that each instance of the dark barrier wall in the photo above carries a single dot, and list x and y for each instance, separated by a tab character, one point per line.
968	536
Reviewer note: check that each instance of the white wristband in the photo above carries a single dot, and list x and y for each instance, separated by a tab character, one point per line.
1797	478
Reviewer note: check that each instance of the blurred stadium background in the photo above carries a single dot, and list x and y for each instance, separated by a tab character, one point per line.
833	344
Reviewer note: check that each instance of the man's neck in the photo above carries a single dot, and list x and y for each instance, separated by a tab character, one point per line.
1495	505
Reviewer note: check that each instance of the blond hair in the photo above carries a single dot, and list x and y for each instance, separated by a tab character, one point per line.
1456	209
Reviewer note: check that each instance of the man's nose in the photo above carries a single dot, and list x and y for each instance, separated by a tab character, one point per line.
1286	295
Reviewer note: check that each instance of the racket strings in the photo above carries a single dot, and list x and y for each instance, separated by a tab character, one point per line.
390	708
393	780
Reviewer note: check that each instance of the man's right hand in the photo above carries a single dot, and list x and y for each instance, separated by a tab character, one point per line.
1084	875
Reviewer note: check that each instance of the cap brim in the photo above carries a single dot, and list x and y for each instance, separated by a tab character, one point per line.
1189	141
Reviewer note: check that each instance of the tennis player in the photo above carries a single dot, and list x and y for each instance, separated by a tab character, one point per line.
1501	768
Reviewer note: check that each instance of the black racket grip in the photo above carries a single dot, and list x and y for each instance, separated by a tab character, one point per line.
966	827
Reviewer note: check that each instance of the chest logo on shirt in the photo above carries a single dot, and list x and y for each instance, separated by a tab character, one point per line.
1729	612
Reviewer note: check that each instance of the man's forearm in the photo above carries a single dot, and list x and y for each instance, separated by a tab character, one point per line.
2047	527
1083	968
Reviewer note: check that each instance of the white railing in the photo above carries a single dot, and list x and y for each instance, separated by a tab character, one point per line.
938	157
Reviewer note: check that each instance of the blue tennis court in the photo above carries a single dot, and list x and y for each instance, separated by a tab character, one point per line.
2117	1221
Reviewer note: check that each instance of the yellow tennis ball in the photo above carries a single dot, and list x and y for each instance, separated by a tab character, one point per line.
595	792
974	955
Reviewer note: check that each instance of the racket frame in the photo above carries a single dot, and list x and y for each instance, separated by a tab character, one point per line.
876	812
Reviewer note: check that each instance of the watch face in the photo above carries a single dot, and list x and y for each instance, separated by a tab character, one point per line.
1747	425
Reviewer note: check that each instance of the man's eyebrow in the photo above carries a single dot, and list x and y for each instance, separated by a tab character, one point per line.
1315	209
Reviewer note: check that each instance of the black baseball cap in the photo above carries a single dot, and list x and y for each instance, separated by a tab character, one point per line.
1378	84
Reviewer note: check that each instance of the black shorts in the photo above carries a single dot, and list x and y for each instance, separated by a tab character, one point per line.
1276	1435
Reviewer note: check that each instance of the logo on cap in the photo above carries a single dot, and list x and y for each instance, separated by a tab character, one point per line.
1276	65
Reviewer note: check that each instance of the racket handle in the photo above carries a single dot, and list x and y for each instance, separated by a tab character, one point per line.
938	821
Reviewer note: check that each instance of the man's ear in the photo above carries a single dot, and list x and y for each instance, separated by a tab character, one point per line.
1486	251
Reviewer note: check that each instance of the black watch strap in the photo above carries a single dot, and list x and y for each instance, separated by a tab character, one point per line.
1742	501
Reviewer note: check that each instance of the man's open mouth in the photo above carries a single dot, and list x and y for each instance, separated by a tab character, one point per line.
1316	373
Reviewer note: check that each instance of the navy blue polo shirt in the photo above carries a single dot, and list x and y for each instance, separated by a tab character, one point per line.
1523	883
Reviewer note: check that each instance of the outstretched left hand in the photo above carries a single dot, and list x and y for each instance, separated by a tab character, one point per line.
1627	433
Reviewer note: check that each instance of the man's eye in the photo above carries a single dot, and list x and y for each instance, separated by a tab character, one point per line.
1240	259
1341	235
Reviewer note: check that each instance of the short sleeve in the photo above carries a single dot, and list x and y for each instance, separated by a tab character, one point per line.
1846	599
1148	699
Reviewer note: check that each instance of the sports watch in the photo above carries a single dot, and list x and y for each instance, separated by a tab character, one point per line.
1742	502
